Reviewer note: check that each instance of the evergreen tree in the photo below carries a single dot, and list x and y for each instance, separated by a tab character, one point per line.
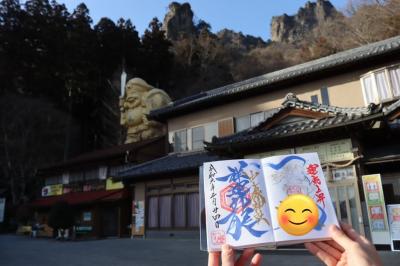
158	57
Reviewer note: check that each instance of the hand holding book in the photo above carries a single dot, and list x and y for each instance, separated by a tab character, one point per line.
278	200
347	247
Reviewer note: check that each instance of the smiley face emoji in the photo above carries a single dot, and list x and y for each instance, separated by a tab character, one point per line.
298	214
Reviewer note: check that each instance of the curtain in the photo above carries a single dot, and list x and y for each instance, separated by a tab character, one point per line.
382	86
368	89
179	210
193	209
165	211
153	212
180	140
395	79
197	138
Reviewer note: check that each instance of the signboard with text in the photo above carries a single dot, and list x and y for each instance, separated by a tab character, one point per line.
333	151
138	217
394	225
376	209
110	184
52	190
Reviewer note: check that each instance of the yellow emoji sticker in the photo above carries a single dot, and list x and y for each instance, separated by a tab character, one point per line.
298	214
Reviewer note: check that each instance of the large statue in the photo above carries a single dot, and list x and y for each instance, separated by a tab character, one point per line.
137	102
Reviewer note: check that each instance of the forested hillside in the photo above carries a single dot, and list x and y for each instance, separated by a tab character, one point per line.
60	71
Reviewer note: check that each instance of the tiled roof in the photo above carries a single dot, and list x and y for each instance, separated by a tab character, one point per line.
337	60
337	116
291	100
174	162
98	156
87	197
389	109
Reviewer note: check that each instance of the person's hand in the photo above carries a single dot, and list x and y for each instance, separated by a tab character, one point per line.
228	257
347	248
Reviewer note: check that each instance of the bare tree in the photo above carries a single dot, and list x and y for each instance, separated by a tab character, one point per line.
31	135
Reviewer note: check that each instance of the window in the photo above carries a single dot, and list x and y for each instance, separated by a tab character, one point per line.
256	119
324	95
115	170
226	127
210	130
175	207
54	180
193	138
381	85
179	210
247	121
76	177
242	123
197	138
193	209
165	211
314	99
87	216
92	174
180	140
395	80
153	212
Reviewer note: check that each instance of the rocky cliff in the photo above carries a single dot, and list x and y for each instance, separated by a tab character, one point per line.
291	29
230	38
178	22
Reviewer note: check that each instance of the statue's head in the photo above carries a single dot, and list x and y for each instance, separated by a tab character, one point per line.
134	91
138	100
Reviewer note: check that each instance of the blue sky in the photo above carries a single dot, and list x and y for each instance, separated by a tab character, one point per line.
250	17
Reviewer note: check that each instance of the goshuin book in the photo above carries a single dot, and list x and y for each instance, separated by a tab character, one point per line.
279	200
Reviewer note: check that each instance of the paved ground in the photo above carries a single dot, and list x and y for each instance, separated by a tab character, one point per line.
17	250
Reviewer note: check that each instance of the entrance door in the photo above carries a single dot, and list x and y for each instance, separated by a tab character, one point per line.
109	217
346	201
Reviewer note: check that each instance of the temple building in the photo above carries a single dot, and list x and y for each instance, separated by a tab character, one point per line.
344	107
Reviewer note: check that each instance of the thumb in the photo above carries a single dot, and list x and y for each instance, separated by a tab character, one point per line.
340	237
227	256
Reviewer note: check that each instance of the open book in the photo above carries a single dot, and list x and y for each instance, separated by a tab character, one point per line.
277	200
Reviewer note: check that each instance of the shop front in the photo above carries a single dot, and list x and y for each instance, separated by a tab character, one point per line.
96	214
382	186
166	195
344	139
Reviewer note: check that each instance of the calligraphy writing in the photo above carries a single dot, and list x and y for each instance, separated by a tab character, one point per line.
315	180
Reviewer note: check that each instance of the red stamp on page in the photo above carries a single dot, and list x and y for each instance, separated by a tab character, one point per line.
218	237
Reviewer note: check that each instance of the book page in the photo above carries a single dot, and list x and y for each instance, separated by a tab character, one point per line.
236	204
202	215
300	204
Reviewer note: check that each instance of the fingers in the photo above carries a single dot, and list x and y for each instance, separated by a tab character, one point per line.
256	260
245	257
350	232
227	256
213	258
329	249
338	236
321	254
353	234
335	245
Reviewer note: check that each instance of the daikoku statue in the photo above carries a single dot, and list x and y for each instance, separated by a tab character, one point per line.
136	103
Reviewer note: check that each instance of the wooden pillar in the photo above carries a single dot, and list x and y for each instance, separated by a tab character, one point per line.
120	223
97	223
